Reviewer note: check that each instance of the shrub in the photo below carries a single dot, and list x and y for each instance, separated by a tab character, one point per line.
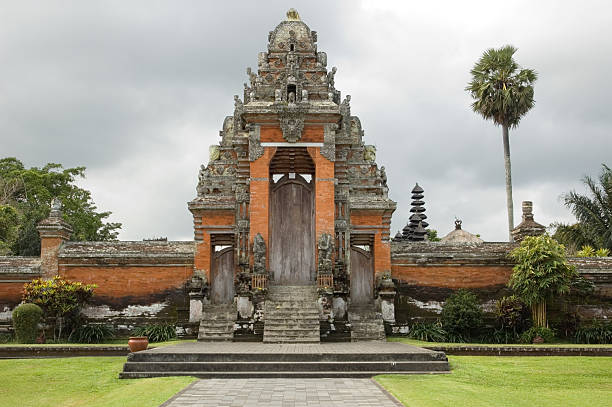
595	332
545	333
427	331
92	333
25	321
59	298
512	314
500	335
156	332
461	316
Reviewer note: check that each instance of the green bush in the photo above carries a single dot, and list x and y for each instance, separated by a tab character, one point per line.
6	338
156	332
25	321
427	331
500	335
529	335
595	332
512	314
92	333
59	298
461	316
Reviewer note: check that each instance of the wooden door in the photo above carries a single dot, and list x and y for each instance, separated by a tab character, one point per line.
292	242
362	276
222	277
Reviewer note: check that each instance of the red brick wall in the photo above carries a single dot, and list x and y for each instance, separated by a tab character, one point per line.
453	277
10	293
324	192
310	134
49	247
260	194
137	283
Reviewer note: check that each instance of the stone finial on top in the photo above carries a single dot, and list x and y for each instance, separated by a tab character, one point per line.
54	225
460	236
528	227
293	15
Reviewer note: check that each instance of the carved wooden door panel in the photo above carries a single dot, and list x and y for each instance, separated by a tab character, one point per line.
292	242
222	277
362	276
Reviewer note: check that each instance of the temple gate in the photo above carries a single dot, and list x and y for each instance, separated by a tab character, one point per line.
301	195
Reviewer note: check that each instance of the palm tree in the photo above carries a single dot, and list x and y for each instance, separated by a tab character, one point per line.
594	213
502	92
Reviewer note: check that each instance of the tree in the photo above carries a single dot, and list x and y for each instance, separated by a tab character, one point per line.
594	212
25	198
502	92
541	273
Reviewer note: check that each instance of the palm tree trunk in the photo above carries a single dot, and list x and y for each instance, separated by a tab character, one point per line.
509	203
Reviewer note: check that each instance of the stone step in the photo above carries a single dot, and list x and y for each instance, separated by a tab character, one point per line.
209	367
237	375
285	357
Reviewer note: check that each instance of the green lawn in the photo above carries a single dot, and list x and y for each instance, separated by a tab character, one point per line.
75	382
509	381
494	345
115	342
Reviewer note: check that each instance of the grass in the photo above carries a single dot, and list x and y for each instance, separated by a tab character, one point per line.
509	381
115	342
75	382
495	345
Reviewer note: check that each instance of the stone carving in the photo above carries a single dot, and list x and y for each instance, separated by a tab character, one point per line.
292	124
252	76
321	59
292	15
369	153
329	142
330	77
213	152
278	96
56	208
255	148
259	254
326	248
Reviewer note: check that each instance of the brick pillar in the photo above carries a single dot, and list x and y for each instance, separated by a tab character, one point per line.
53	232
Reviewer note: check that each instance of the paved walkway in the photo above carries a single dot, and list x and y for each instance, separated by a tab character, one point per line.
283	393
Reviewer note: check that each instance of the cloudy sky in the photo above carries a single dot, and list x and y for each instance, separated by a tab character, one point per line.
136	92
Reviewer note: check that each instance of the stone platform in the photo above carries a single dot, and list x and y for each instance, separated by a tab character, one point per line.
250	360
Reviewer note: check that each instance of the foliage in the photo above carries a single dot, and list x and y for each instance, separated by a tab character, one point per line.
432	235
156	332
512	314
500	335
502	91
92	333
461	316
545	333
28	194
594	212
573	237
427	331
595	332
541	273
59	298
588	251
25	321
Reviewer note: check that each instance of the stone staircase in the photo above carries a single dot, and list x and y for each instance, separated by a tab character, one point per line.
217	323
366	324
253	360
291	315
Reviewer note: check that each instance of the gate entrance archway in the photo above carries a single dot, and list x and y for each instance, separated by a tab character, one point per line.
222	276
362	275
292	218
292	248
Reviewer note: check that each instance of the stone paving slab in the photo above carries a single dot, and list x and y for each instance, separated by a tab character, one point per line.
283	393
372	347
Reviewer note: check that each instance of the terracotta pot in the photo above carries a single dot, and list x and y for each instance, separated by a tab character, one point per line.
138	343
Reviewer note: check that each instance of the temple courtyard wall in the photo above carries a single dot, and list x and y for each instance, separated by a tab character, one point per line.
149	282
